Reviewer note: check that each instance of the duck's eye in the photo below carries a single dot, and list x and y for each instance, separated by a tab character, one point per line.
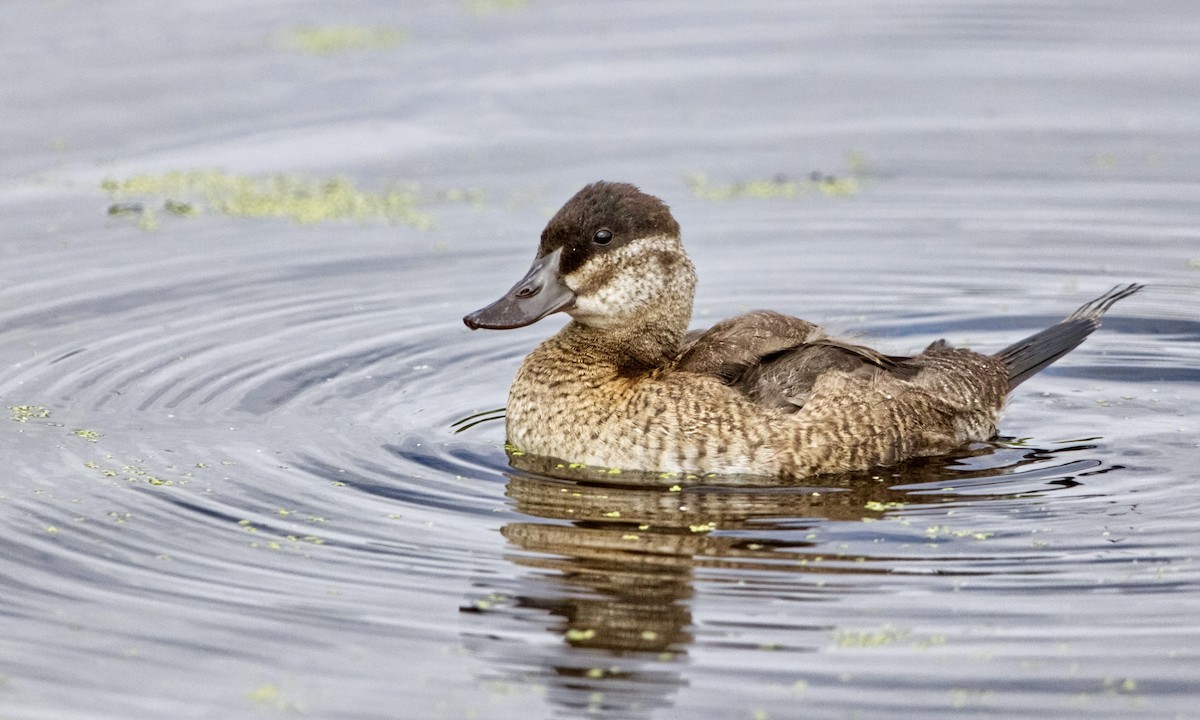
603	236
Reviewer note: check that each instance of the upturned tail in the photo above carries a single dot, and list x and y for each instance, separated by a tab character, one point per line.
1025	358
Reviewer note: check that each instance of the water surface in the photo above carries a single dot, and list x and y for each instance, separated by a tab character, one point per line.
233	487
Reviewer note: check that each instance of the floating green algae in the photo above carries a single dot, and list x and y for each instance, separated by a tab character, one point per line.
182	209
25	413
937	532
885	636
487	7
784	187
269	697
780	187
332	39
300	199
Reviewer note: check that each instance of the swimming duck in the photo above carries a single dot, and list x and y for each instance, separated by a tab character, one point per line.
625	385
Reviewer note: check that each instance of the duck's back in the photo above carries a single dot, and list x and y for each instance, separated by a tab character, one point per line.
844	406
775	360
855	420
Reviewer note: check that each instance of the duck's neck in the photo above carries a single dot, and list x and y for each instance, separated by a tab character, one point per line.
626	350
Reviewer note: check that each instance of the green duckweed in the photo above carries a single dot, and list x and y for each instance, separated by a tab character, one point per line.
300	199
334	39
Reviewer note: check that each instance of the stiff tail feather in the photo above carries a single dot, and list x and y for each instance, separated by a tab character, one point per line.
1025	358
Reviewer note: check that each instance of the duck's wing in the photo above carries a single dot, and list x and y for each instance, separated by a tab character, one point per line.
775	359
732	346
785	381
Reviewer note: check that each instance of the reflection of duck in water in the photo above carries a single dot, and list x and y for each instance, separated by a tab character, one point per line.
616	517
626	386
615	570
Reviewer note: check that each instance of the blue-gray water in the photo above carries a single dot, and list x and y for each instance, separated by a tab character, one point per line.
232	489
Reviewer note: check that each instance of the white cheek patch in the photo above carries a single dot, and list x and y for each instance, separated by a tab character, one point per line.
615	285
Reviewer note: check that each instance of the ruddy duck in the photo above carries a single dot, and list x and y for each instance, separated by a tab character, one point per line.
625	385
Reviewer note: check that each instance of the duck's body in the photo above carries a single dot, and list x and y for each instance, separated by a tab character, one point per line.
674	419
625	386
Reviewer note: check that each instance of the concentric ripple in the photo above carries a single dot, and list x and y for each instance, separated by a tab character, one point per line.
236	457
237	460
236	485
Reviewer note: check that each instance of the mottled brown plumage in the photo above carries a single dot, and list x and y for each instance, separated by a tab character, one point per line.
625	385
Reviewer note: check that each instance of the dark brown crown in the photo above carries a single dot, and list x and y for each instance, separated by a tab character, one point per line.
626	212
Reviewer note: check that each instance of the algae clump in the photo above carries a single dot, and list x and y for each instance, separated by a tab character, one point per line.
331	39
300	199
487	7
784	187
25	413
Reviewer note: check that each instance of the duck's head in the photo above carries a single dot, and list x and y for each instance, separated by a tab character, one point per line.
612	259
